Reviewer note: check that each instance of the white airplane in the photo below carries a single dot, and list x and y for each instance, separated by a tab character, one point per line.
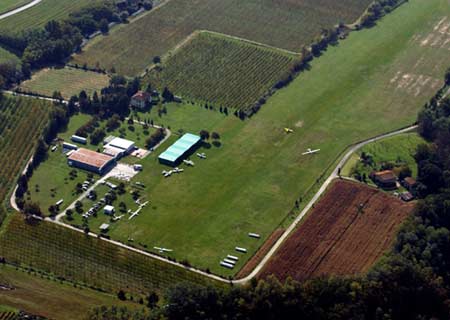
162	250
178	170
168	174
201	155
288	130
189	162
309	151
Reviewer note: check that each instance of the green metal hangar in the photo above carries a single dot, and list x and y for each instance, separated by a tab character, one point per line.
177	151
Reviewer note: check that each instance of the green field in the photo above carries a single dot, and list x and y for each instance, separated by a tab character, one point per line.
68	81
282	24
8	5
43	12
21	123
398	150
87	260
222	71
6	56
252	181
49	297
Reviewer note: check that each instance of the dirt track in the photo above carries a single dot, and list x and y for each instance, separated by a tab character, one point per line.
347	231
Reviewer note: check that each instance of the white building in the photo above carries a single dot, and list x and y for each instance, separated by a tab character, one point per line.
109	210
119	147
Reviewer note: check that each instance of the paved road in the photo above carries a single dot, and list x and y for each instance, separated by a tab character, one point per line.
280	241
20	9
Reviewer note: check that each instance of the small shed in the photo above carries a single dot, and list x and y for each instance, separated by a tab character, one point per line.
409	183
109	210
104	227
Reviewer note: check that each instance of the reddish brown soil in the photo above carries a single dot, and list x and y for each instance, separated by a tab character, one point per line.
259	255
338	238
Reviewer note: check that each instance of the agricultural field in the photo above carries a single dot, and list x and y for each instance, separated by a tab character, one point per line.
88	260
40	14
21	123
251	181
222	71
68	81
38	294
395	152
347	231
283	24
8	5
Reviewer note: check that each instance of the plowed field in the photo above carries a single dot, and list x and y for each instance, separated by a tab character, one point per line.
347	231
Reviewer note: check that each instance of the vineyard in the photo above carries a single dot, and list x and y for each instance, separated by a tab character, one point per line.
68	81
78	258
347	231
21	123
287	24
8	315
40	14
222	71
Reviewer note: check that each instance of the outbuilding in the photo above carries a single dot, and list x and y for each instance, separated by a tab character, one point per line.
176	152
385	179
109	210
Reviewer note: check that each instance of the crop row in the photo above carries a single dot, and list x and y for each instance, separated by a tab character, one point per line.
21	123
80	258
222	71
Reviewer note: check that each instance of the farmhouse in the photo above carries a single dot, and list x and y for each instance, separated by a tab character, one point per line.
118	147
91	161
140	99
175	153
385	179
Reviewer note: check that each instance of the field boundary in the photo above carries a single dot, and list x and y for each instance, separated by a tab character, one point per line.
19	9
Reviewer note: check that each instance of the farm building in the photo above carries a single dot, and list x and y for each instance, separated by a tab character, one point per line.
175	153
409	183
109	210
140	99
78	139
385	179
118	147
91	161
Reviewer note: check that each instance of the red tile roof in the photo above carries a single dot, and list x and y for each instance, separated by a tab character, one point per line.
141	95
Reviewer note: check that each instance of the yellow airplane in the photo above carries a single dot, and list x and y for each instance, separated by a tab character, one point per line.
287	130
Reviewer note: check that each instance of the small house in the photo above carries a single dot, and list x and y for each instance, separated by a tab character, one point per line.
140	99
409	183
385	179
109	210
406	196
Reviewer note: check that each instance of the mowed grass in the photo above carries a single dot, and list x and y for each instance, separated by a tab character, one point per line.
68	81
51	298
42	13
251	182
283	24
8	5
223	71
398	149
